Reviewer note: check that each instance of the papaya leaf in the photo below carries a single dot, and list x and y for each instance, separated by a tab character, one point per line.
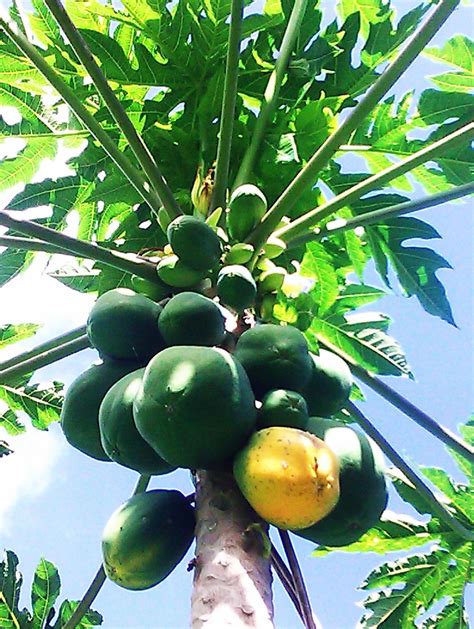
42	403
10	422
457	52
5	449
364	339
318	264
416	267
90	619
44	592
12	262
10	333
11	581
43	24
356	295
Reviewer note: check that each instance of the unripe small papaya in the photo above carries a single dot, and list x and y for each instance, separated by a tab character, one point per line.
247	205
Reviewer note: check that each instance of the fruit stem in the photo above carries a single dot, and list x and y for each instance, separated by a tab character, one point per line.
115	107
298	580
308	175
44	358
102	137
376	216
228	107
43	347
271	93
286	579
423	489
442	433
299	226
129	263
100	577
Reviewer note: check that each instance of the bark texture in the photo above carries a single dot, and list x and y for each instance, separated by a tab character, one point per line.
232	578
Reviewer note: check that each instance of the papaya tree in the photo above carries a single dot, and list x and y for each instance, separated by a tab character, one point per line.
235	171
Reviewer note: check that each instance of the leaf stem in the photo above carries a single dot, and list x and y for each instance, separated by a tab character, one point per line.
136	143
405	406
67	94
286	579
44	347
307	176
423	489
29	244
129	263
271	93
45	358
368	218
298	580
100	577
300	225
228	106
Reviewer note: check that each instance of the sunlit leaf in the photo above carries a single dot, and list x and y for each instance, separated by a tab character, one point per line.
10	333
44	592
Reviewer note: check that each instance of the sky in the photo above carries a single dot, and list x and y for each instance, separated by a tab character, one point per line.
55	501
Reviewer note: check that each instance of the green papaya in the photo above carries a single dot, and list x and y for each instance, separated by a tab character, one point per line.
124	325
363	491
282	407
174	272
247	205
156	290
194	242
192	319
147	537
80	411
119	436
329	386
274	357
236	287
240	253
195	407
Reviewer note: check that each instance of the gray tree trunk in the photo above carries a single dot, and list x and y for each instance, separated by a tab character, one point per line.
232	578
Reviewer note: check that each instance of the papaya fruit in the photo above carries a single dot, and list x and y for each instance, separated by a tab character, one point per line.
240	253
289	477
119	436
146	538
124	325
174	272
80	411
282	407
236	287
156	290
195	406
194	242
274	357
363	491
247	205
330	384
192	319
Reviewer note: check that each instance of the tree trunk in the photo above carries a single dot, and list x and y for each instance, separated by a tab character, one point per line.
232	579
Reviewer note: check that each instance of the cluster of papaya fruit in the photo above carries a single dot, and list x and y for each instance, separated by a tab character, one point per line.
177	388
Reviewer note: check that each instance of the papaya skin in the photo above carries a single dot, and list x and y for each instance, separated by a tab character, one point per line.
289	477
146	538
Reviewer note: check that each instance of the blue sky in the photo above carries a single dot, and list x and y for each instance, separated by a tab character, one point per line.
56	501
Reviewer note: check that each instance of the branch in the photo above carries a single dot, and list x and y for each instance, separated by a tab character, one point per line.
67	94
138	146
44	347
307	176
99	579
45	358
81	248
439	431
435	150
298	580
228	107
270	96
423	489
286	579
377	216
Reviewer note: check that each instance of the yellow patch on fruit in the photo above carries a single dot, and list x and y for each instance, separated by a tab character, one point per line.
289	477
